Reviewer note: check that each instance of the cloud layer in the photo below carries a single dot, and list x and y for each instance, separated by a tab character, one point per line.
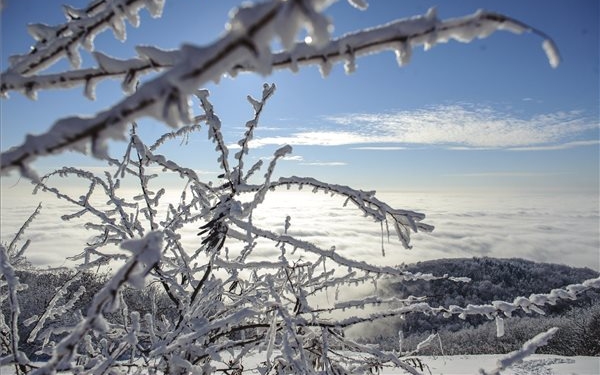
550	228
461	126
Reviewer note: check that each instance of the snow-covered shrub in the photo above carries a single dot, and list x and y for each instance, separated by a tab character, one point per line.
226	300
224	294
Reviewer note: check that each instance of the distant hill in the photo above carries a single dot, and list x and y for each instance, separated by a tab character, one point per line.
492	279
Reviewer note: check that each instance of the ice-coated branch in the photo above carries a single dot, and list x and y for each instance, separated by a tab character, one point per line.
14	256
146	253
124	231
382	356
494	310
214	132
258	106
55	42
399	36
261	192
404	220
184	131
528	348
12	280
533	303
330	254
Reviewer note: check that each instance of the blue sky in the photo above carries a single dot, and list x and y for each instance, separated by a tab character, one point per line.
487	115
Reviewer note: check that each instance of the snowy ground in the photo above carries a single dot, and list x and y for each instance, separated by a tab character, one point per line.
538	364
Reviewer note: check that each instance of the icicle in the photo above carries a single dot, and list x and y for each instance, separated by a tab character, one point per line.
74	56
403	53
31	91
72	13
431	41
130	82
41	32
350	64
133	16
155	7
359	4
551	52
117	25
294	64
90	89
499	326
88	41
325	68
176	110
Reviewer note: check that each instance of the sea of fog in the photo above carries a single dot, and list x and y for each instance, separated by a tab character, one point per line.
557	228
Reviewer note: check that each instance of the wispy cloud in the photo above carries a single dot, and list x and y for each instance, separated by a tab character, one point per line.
300	159
379	148
563	146
460	126
291	158
326	163
321	138
499	174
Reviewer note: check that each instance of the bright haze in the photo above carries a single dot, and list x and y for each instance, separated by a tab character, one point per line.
498	148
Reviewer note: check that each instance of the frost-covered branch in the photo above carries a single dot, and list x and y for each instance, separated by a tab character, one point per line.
532	303
526	350
13	284
258	106
20	232
399	36
404	221
330	254
124	231
55	42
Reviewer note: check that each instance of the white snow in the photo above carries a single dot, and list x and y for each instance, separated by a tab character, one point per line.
537	364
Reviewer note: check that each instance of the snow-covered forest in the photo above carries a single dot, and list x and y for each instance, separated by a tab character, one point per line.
197	284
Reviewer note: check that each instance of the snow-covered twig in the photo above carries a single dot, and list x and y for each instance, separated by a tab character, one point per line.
399	36
533	303
330	254
11	247
404	220
55	42
258	106
12	280
526	350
